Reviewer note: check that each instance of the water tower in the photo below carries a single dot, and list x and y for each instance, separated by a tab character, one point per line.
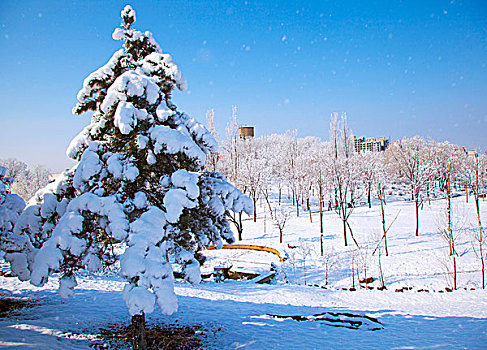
246	132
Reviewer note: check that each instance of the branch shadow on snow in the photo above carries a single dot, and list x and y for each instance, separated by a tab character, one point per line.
264	325
55	323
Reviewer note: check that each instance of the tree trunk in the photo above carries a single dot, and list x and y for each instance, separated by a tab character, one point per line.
483	189
321	245
239	230
345	232
266	195
368	196
449	216
353	270
309	210
454	273
321	209
255	208
326	274
483	272
383	222
240	226
138	332
480	241
417	217
280	236
238	223
381	273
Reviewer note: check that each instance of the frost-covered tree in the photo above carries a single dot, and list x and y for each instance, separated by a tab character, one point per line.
272	171
291	153
305	250
231	149
278	147
477	165
447	167
138	182
328	260
367	163
412	159
280	218
382	175
342	171
308	168
11	205
213	157
28	179
253	169
14	168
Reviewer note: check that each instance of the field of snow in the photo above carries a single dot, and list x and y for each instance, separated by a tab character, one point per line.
238	314
419	262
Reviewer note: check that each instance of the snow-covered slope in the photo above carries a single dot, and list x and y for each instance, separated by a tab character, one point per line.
237	313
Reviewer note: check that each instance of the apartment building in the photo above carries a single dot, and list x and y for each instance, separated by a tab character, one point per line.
370	144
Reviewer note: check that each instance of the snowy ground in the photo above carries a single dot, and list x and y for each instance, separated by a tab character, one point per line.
236	313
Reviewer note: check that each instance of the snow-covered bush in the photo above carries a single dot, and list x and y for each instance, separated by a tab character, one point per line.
11	205
138	181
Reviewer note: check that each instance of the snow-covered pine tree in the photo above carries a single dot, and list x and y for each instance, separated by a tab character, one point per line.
138	182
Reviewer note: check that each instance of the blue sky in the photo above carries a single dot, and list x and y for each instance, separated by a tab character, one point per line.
397	68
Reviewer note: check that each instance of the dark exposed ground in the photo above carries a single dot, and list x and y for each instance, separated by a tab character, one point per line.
160	337
10	306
